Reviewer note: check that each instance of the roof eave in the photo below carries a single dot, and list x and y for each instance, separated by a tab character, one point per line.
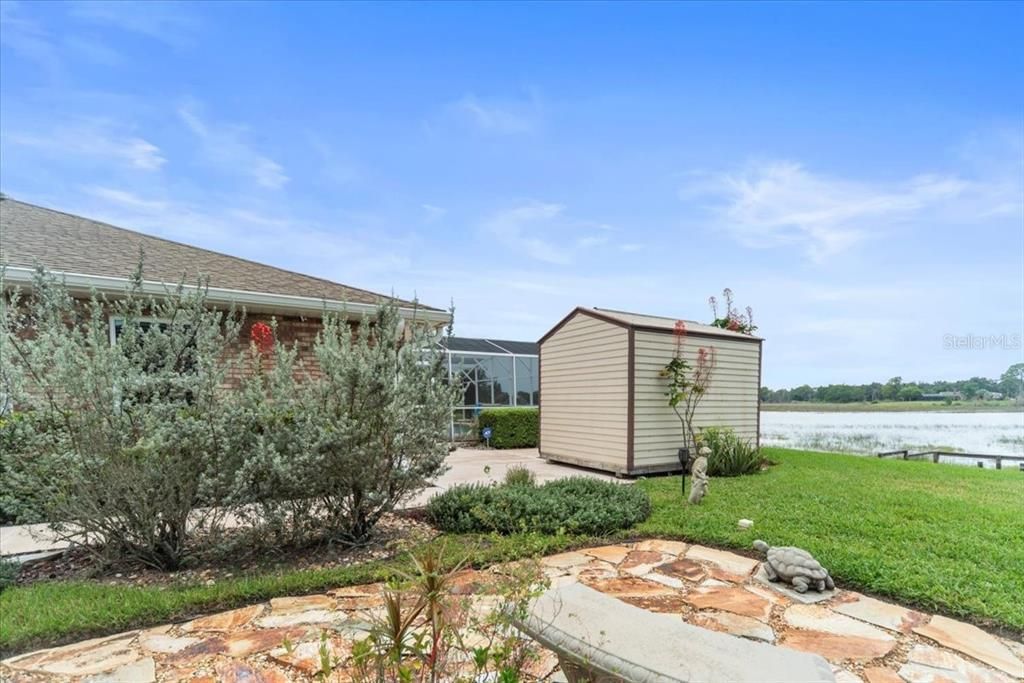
284	304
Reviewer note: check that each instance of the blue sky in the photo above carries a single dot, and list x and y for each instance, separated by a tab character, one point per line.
854	172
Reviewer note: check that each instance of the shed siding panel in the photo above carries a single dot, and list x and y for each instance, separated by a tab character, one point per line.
584	393
731	401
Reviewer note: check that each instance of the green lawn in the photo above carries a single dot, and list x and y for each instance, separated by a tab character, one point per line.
942	537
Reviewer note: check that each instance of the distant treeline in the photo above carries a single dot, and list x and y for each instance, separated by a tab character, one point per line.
1009	385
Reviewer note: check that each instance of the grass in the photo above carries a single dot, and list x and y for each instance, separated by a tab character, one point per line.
1007	406
940	537
943	538
51	613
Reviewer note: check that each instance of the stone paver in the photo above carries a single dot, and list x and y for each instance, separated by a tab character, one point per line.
819	618
676	548
609	553
730	562
81	659
865	640
836	648
972	641
684	569
639	562
225	621
735	599
142	671
927	664
878	674
735	624
884	614
165	644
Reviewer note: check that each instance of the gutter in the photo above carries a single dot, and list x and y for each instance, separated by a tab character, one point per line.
253	301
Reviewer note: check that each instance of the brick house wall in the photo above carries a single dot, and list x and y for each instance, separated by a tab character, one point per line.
299	332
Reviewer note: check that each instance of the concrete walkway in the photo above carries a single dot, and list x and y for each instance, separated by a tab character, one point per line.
865	640
467	465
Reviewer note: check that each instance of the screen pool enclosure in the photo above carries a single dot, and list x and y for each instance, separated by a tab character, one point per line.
491	373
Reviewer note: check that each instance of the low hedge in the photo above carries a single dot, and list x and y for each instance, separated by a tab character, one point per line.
511	427
576	505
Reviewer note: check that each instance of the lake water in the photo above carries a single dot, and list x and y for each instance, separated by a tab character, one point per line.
870	433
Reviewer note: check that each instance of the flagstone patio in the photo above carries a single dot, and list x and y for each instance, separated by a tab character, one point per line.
864	639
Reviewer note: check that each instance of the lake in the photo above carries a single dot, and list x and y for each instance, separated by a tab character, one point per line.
870	433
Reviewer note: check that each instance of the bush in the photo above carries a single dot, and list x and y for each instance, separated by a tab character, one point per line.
520	475
511	427
139	447
576	505
123	437
730	457
18	504
9	570
366	432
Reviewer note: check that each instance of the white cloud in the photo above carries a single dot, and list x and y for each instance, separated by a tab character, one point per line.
256	230
96	140
499	117
781	203
432	212
543	231
522	227
224	147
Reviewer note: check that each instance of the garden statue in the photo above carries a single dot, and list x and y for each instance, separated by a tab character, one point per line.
795	566
699	472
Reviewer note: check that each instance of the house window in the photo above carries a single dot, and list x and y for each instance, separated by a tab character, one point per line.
145	324
154	355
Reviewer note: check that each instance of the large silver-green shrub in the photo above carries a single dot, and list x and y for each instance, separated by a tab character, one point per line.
370	424
124	436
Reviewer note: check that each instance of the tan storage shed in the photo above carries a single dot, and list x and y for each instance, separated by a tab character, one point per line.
603	404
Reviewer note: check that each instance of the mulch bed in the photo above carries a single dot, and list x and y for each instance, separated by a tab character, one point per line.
396	533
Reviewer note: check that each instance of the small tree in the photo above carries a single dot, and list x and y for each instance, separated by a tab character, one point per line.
688	383
122	400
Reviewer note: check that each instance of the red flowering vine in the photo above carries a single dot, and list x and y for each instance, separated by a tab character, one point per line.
262	337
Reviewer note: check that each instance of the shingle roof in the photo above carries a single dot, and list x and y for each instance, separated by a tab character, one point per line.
31	235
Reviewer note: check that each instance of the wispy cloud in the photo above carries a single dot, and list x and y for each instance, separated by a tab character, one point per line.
262	232
97	140
499	117
433	213
27	38
522	227
224	146
781	203
171	23
543	231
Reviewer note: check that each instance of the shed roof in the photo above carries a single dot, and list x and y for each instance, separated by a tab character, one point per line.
31	235
654	323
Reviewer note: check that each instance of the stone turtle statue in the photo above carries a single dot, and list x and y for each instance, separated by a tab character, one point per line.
794	566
